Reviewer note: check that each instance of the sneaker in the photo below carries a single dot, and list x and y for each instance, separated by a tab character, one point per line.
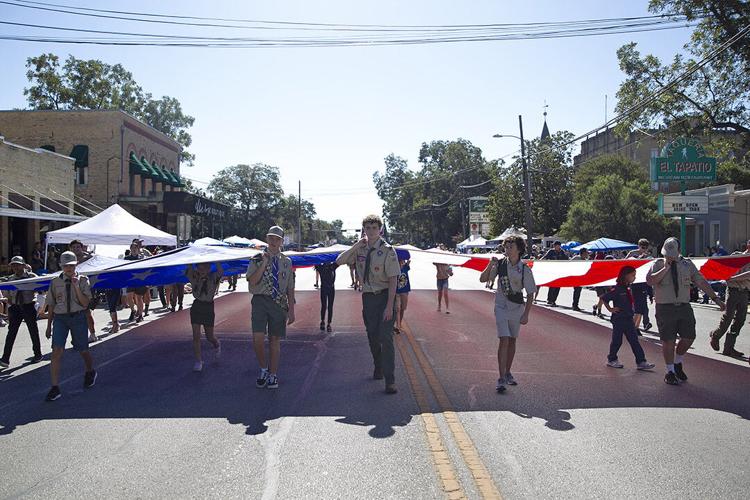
3	322
322	326
714	343
89	379
391	389
173	308
4	364
262	379
132	316
593	310
377	374
273	382
576	308
614	364
500	386
328	328
645	365
198	366
671	379
53	394
37	358
447	311
180	308
647	327
679	372
138	319
93	337
509	380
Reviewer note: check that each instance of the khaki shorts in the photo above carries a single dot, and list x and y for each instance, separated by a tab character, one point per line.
675	321
267	316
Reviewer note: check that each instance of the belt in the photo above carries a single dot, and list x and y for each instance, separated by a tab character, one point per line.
675	304
377	292
69	314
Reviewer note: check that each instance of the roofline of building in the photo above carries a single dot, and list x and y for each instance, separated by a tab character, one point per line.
128	115
37	150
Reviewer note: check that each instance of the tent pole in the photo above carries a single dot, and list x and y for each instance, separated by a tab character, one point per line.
46	250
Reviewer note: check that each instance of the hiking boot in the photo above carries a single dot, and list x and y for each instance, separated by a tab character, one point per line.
679	372
714	342
671	379
729	349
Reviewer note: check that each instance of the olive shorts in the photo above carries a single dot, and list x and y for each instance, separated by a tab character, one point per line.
267	316
675	320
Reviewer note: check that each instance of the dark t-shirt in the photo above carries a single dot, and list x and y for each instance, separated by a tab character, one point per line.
327	273
620	297
403	285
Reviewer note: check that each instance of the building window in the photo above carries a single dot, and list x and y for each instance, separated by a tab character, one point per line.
81	154
715	232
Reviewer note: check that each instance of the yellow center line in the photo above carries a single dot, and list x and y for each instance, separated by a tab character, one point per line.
483	480
445	471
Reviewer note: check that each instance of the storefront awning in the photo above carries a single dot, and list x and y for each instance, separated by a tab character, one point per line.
136	167
33	214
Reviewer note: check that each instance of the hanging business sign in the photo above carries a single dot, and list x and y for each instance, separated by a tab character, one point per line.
677	204
479	217
683	160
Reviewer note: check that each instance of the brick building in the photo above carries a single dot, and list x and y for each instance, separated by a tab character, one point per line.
118	159
36	196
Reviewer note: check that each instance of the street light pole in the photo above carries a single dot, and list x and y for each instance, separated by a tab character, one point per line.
526	189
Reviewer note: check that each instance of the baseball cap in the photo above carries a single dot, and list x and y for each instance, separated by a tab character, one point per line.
137	241
17	260
68	258
275	231
671	248
556	243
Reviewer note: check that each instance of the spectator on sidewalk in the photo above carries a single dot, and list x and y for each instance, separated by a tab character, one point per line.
554	253
582	255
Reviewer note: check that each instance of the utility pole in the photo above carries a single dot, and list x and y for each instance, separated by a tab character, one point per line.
299	215
526	190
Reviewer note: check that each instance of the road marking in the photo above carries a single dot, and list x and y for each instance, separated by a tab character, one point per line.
483	480
443	466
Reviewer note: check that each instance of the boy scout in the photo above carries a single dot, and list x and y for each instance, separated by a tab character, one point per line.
736	313
68	297
21	309
671	278
270	279
378	271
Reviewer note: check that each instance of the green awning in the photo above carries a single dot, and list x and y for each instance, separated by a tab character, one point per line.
151	172
81	154
165	174
179	180
135	166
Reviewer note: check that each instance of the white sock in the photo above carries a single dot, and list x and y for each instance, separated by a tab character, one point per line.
263	371
670	368
678	358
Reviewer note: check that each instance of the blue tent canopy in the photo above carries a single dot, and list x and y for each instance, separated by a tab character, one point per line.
570	245
605	245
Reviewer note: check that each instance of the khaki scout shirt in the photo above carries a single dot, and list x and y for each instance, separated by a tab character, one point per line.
383	264
520	278
687	273
57	299
285	277
204	287
26	296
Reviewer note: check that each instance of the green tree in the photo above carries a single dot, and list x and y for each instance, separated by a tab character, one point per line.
710	104
613	199
254	191
428	206
93	84
550	164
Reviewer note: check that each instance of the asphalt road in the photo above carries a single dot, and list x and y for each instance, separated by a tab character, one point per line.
573	428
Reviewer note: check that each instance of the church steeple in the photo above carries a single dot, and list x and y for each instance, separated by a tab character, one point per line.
545	129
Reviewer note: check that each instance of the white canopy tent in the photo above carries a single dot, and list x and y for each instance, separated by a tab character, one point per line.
477	242
113	226
211	242
511	231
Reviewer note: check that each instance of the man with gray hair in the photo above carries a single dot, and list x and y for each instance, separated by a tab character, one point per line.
671	278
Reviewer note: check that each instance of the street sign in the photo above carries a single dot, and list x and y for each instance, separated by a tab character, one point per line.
683	160
676	204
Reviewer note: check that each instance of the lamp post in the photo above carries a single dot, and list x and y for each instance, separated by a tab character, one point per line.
526	183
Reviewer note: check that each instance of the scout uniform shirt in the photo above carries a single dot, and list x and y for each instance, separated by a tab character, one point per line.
62	299
687	273
204	287
383	265
520	278
741	284
276	280
19	297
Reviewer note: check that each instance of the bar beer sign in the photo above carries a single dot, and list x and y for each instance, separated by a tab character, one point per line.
677	204
683	160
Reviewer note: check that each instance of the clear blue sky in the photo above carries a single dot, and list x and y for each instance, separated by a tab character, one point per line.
328	116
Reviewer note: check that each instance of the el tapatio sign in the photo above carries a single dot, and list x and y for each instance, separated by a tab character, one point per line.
683	160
